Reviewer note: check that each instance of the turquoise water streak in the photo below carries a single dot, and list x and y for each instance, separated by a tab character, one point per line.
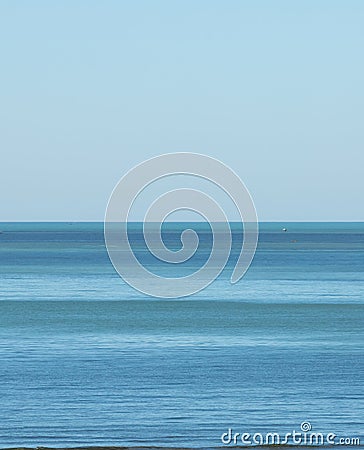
86	360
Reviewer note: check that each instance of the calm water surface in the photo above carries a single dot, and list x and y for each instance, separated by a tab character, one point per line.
86	360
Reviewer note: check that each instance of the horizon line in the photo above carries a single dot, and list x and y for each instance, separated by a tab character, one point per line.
185	221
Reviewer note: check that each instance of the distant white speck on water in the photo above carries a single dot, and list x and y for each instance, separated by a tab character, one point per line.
284	229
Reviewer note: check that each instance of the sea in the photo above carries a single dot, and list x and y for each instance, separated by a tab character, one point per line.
86	360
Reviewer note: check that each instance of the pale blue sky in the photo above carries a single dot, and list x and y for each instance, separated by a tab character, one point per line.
272	88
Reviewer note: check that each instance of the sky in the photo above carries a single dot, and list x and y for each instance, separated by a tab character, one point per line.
274	89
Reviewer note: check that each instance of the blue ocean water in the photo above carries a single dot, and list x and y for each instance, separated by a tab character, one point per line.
86	360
